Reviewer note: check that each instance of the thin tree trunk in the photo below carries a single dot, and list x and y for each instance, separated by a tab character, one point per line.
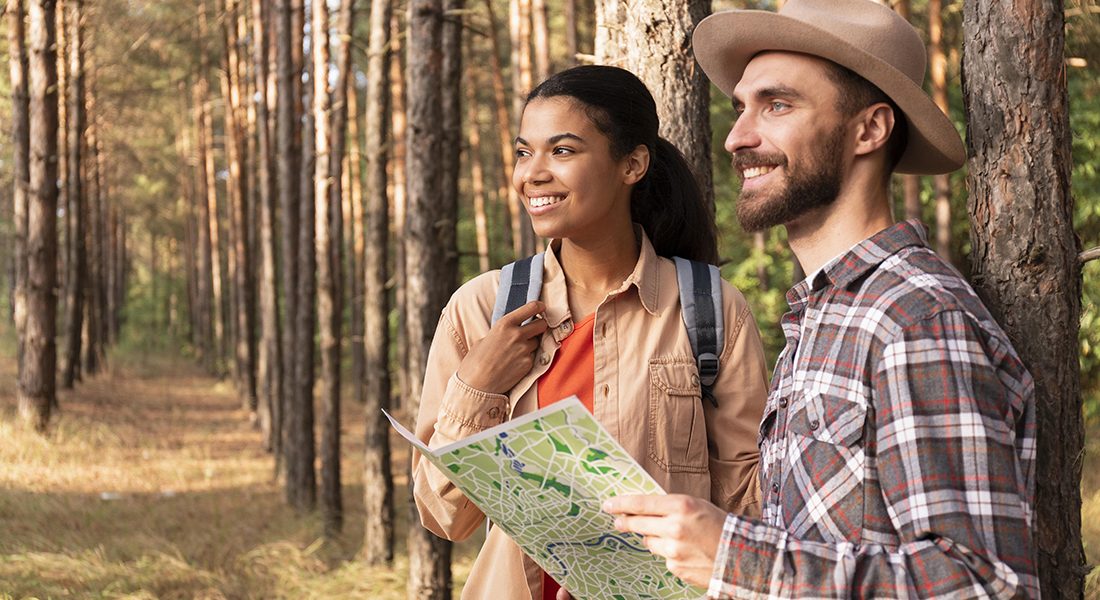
92	346
477	177
910	183
570	33
938	76
520	221
355	262
540	35
429	258
451	124
20	101
520	31
289	190
75	196
38	378
378	533
399	152
1024	259
269	366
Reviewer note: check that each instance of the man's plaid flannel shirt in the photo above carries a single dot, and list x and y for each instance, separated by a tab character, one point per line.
897	446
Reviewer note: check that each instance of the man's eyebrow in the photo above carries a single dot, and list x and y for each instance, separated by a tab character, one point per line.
781	91
553	139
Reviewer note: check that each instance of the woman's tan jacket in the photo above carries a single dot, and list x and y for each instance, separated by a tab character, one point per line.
646	394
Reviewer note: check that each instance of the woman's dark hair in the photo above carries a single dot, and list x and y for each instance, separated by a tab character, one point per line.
667	202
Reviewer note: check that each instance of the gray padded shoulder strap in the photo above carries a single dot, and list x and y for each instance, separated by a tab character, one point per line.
520	283
701	308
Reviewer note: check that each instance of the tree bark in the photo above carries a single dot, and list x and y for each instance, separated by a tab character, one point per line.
477	177
540	36
300	479
520	33
288	134
653	40
570	33
400	201
75	210
429	258
910	183
355	259
269	365
378	534
37	382
20	101
938	76
520	221
1024	259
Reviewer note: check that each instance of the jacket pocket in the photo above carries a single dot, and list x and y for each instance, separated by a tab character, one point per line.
677	428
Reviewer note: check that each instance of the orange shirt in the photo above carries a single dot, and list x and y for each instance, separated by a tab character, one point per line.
573	373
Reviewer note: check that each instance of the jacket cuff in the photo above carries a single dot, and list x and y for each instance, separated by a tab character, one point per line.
465	411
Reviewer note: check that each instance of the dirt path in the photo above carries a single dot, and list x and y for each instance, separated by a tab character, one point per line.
152	484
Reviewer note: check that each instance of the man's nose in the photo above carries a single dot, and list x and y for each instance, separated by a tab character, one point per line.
743	134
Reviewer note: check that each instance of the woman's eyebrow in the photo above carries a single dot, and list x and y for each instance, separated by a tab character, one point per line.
552	139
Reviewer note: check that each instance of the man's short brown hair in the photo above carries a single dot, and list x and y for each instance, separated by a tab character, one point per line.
856	94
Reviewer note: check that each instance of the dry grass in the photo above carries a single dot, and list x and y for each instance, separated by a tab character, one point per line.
151	484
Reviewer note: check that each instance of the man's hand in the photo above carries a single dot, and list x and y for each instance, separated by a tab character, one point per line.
683	530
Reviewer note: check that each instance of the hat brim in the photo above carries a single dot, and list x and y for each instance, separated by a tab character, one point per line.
726	42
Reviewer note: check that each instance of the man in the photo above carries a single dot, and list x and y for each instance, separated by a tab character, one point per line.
898	440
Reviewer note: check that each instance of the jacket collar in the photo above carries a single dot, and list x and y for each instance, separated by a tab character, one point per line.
645	278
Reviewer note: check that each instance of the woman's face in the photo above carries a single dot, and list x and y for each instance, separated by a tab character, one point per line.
565	174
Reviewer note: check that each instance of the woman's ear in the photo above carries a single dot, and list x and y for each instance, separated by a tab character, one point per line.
636	164
876	123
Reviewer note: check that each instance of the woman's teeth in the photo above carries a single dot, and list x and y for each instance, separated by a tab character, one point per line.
541	201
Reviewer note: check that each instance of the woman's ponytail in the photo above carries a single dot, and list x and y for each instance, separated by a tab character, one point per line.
669	205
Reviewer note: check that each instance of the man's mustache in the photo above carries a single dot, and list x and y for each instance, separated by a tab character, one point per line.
747	160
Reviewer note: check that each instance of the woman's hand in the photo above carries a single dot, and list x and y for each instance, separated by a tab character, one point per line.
497	362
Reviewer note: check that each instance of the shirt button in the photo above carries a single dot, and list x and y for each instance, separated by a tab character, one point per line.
566	327
782	403
775	487
544	359
494	412
814	425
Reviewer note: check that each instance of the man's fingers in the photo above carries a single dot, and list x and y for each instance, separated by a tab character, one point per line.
647	526
521	314
563	595
641	505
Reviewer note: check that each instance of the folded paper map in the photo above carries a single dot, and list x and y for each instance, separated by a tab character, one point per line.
541	478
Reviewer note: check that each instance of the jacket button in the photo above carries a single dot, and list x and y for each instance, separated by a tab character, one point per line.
782	403
775	487
694	379
566	327
494	412
544	359
814	425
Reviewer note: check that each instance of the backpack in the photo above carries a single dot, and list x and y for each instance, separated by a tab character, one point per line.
700	307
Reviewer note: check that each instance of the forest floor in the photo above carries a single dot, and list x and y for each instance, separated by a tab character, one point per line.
152	484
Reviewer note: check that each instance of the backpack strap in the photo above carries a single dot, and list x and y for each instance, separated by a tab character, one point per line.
701	308
520	283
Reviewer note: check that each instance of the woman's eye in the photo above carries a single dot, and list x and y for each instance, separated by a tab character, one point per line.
521	153
560	150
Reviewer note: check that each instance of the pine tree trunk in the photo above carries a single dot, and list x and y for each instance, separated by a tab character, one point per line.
378	533
355	262
653	40
520	221
938	76
477	177
520	32
37	381
398	153
269	365
429	258
1024	259
540	36
288	140
75	211
91	345
301	483
570	33
17	68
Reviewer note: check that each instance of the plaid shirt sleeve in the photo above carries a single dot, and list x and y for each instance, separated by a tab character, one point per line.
953	441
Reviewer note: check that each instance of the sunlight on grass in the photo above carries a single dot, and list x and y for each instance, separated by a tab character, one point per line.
151	484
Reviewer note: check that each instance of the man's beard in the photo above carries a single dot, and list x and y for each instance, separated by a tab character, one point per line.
809	187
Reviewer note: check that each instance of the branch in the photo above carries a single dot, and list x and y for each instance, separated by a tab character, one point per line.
1088	255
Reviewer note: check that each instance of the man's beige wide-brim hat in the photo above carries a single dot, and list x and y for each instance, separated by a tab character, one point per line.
868	38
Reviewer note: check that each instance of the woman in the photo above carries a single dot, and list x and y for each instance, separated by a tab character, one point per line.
616	200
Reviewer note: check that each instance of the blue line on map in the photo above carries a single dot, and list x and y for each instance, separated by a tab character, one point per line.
627	542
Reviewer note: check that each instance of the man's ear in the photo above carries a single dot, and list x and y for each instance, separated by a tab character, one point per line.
636	164
876	123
